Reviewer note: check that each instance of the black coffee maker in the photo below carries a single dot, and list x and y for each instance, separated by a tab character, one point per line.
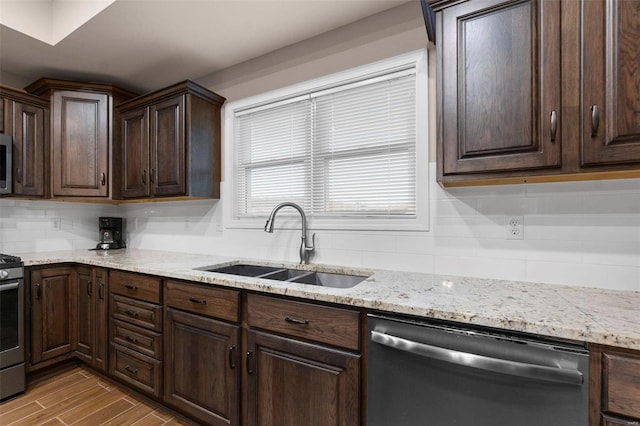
111	235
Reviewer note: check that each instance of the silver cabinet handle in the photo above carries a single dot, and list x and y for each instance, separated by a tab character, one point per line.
554	125
513	368
595	120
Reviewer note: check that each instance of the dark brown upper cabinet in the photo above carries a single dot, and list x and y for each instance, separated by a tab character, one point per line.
611	82
26	119
81	120
169	143
499	75
535	91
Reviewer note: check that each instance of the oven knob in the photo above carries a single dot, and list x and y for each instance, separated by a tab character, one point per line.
3	274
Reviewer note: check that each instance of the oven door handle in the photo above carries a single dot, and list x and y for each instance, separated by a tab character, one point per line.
513	368
9	286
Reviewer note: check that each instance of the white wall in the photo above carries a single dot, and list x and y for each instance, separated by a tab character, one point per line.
35	226
580	233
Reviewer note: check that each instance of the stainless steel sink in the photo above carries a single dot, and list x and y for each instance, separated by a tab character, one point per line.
325	279
241	269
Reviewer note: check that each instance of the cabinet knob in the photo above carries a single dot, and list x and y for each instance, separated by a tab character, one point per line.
595	120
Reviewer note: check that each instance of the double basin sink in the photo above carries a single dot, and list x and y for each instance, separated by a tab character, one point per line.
325	279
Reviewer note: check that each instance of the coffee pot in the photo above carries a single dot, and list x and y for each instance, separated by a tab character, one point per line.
111	233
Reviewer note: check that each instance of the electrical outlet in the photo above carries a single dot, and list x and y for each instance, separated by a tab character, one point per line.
515	228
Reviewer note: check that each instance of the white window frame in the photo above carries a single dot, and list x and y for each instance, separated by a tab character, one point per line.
420	222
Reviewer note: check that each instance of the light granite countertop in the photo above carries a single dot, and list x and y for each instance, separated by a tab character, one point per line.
577	313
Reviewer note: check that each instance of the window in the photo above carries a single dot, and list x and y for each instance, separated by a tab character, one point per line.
349	149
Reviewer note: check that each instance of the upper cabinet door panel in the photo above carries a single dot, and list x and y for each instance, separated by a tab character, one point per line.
168	147
499	73
80	144
611	82
135	158
29	139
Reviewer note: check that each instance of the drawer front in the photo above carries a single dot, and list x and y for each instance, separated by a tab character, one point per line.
139	339
136	312
209	301
140	371
339	327
136	286
621	384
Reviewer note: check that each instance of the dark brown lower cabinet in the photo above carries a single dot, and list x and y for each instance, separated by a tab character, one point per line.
92	316
292	383
614	386
86	314
202	372
53	313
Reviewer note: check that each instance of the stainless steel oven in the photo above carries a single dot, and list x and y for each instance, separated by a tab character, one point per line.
12	372
435	373
6	156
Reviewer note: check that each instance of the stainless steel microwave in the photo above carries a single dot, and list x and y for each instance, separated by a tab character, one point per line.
6	154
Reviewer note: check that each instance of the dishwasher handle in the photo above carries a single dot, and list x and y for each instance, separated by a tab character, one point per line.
514	368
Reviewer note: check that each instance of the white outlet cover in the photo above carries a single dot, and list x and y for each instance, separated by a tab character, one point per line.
515	228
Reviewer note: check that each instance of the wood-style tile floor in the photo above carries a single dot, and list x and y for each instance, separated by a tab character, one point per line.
78	397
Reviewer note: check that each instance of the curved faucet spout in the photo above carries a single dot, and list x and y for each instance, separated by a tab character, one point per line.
305	251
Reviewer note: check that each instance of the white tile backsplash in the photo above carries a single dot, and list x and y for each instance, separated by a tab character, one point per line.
575	233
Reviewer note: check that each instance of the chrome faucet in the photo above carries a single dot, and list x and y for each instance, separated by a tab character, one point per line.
305	251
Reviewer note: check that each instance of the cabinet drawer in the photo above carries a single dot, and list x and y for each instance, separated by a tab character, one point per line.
621	384
334	326
209	301
140	371
136	286
139	339
136	312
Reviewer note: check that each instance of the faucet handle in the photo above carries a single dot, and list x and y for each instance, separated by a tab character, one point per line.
313	243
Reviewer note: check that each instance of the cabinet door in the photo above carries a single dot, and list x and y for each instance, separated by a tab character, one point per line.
80	144
100	353
135	156
86	313
53	313
28	147
167	172
202	376
499	86
611	82
291	383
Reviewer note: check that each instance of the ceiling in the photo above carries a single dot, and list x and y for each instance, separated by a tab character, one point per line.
144	45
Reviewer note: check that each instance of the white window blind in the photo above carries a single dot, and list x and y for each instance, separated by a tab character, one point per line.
348	150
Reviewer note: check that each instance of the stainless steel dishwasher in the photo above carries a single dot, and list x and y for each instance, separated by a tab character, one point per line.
440	374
